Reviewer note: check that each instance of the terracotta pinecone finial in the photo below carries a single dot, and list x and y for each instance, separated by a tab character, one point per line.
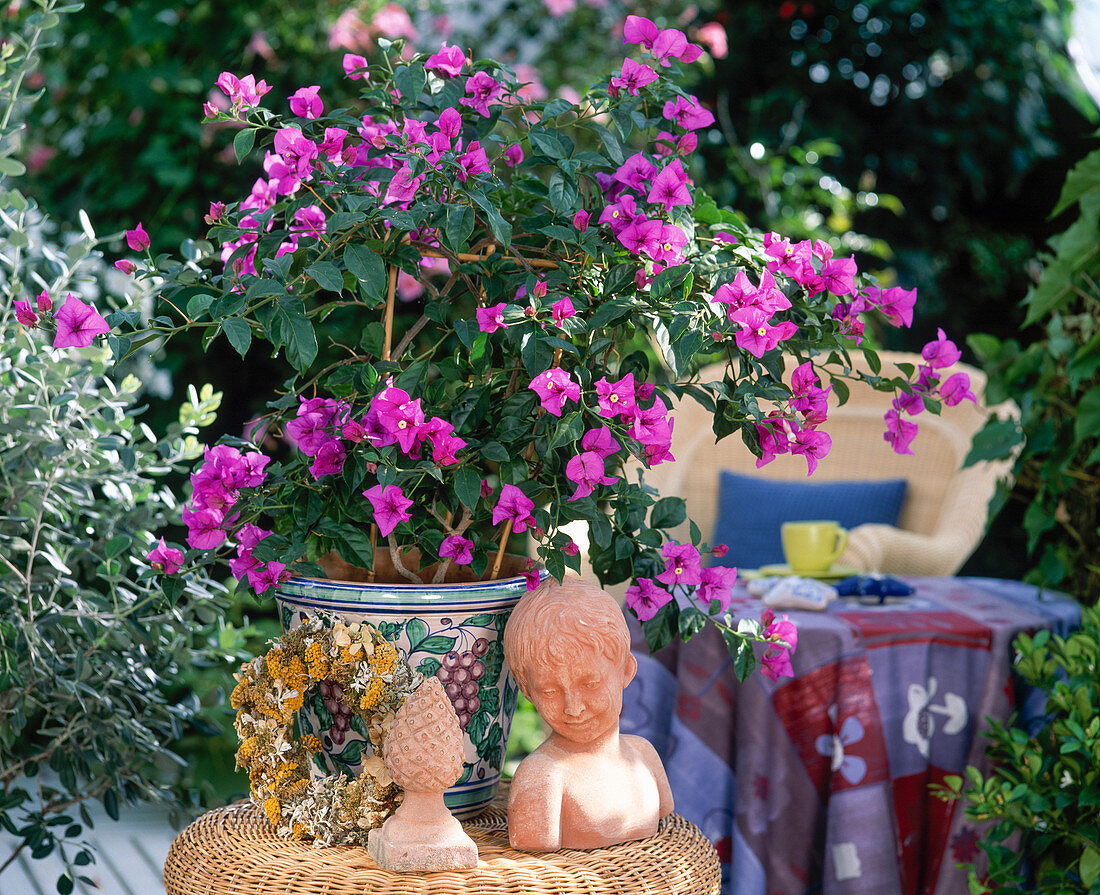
423	750
423	753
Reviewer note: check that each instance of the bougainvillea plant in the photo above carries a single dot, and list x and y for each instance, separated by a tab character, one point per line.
487	306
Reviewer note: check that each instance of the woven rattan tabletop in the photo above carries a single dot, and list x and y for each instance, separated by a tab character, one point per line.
234	851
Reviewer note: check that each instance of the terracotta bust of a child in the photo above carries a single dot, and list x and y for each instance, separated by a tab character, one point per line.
587	786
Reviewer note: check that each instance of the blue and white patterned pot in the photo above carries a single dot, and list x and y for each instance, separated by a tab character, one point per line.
452	631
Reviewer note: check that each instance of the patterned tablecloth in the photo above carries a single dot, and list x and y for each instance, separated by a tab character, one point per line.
819	783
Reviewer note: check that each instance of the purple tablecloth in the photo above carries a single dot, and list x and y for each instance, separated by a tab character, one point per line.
819	783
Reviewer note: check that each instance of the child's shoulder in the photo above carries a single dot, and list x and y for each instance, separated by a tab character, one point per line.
639	744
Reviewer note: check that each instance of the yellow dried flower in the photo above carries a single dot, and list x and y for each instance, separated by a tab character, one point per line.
310	743
383	659
272	808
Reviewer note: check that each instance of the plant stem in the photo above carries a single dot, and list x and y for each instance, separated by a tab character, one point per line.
391	290
504	535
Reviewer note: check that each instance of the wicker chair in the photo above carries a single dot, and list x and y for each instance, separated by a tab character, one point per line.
945	511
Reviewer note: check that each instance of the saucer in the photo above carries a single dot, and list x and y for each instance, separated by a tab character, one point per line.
782	569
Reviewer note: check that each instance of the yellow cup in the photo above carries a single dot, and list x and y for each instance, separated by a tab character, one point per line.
813	546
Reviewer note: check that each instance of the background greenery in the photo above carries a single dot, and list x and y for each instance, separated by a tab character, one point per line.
931	139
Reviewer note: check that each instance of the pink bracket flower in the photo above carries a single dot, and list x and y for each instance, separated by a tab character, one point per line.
554	387
391	507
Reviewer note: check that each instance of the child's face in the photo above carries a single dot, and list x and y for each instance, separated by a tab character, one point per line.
581	700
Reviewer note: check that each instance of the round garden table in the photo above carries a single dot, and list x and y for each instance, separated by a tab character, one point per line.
234	851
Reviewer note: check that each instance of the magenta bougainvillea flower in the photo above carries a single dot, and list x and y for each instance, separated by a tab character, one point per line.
491	319
670	187
633	77
137	239
391	507
683	565
513	155
616	398
956	388
941	352
580	220
267	576
562	310
717	584
355	66
756	335
165	559
78	324
481	89
587	470
448	62
514	505
812	444
646	598
305	103
554	387
458	548
24	314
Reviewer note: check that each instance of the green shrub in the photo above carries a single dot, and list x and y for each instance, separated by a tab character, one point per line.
1056	382
1045	788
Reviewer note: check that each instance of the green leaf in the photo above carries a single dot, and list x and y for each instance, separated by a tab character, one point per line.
744	659
116	545
1084	178
995	441
458	225
568	430
661	630
468	486
243	143
410	80
562	192
65	884
668	512
1087	424
239	334
691	622
10	167
298	334
110	804
327	276
437	644
500	228
1090	865
368	268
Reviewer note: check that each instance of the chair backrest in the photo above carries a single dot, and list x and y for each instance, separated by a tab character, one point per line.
936	480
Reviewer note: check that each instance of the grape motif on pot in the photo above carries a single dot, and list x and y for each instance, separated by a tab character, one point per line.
460	674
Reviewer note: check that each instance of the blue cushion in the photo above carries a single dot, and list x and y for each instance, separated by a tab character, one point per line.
751	510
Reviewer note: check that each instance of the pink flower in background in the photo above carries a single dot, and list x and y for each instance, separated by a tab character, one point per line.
305	103
481	89
391	507
491	319
558	8
393	22
956	388
165	559
713	34
774	436
554	387
78	324
24	314
349	31
646	598
942	352
460	549
447	62
137	239
244	93
683	565
895	303
127	267
44	302
776	661
580	220
673	44
587	471
514	505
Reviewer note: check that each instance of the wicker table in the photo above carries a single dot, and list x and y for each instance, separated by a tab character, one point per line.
233	851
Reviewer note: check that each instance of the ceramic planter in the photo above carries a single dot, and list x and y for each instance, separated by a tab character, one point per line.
451	631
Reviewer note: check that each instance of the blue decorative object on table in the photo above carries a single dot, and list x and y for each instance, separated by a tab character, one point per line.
751	510
881	586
